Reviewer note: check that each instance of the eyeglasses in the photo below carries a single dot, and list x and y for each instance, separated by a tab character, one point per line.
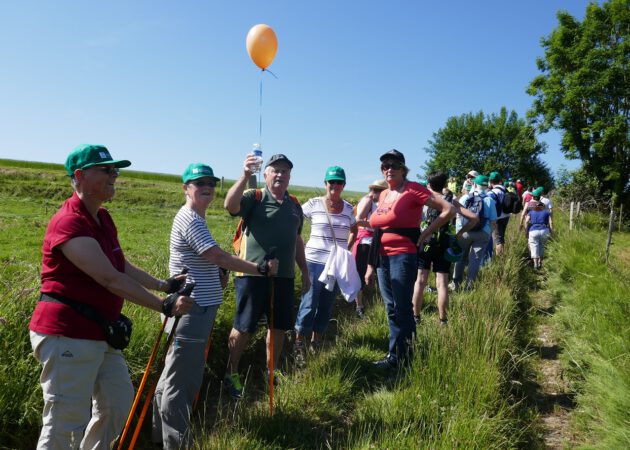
337	182
391	165
108	170
201	184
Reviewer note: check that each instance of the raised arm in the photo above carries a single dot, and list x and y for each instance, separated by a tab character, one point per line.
233	197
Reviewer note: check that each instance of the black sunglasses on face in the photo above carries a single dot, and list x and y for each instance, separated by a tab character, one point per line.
108	170
391	165
339	182
201	184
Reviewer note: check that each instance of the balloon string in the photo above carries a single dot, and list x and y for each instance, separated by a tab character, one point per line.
260	112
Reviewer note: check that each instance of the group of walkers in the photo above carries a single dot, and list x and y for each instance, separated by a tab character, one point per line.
401	230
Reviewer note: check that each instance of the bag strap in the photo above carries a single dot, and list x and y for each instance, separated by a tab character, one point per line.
332	230
81	308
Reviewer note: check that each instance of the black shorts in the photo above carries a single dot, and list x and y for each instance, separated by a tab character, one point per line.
433	257
499	235
252	301
363	252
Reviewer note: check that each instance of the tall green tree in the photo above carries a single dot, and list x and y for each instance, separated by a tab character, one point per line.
584	91
499	142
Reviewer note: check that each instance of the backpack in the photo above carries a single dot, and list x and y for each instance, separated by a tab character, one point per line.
475	204
511	203
498	200
238	233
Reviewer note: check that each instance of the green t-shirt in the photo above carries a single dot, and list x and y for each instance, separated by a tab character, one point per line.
268	224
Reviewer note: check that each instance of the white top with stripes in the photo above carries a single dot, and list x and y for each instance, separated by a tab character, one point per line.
190	237
321	241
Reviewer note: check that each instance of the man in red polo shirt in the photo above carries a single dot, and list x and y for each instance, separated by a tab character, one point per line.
85	381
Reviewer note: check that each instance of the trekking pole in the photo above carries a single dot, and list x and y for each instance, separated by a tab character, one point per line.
186	291
145	376
272	294
207	351
271	345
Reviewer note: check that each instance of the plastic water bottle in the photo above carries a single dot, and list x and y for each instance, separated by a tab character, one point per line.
257	152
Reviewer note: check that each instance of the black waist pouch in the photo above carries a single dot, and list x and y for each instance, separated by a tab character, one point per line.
117	332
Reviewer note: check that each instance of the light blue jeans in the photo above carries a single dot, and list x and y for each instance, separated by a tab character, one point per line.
316	305
474	244
396	279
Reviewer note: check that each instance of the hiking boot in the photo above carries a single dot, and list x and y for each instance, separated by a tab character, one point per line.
361	312
388	363
232	384
443	322
429	290
299	353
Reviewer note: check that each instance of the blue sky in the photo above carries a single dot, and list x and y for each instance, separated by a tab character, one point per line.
165	84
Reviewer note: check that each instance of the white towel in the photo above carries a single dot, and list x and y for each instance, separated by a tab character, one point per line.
342	268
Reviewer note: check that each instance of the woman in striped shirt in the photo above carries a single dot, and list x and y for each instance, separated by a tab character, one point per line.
192	246
326	214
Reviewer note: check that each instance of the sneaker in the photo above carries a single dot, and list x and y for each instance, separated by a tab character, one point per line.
299	353
429	290
232	384
278	377
417	319
443	322
361	312
387	363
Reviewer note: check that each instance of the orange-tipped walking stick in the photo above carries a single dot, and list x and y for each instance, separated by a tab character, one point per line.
143	382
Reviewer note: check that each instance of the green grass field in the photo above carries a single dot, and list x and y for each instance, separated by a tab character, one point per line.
461	391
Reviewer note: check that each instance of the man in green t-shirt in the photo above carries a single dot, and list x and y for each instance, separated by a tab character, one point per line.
271	222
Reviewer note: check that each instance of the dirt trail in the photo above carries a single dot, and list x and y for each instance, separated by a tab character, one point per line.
552	396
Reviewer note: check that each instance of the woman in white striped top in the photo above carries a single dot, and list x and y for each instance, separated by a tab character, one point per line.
193	246
326	214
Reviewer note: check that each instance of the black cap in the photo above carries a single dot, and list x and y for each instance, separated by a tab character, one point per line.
393	154
279	157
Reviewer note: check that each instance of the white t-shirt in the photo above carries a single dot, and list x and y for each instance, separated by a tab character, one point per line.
321	241
190	237
546	202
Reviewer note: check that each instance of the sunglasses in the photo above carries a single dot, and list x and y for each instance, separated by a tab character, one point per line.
338	182
391	165
108	170
201	184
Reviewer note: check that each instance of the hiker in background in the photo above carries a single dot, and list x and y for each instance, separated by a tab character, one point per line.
498	192
85	276
452	185
363	240
272	222
192	246
439	251
332	220
396	232
475	241
527	195
540	225
519	188
545	200
530	205
468	182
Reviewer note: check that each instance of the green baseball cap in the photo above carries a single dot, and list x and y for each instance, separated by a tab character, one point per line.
495	176
481	180
335	173
198	170
538	192
88	155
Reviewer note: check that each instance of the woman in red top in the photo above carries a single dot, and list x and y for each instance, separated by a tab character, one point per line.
85	381
398	219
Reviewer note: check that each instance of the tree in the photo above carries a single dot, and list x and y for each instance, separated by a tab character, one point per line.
502	143
584	90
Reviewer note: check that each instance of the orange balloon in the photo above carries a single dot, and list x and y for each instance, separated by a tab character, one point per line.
262	45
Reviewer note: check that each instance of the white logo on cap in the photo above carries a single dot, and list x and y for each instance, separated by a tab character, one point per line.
103	155
195	171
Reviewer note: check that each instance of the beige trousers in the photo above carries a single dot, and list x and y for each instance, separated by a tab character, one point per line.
87	392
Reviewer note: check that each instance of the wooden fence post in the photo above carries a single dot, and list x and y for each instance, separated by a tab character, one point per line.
222	180
611	224
571	217
620	216
577	213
